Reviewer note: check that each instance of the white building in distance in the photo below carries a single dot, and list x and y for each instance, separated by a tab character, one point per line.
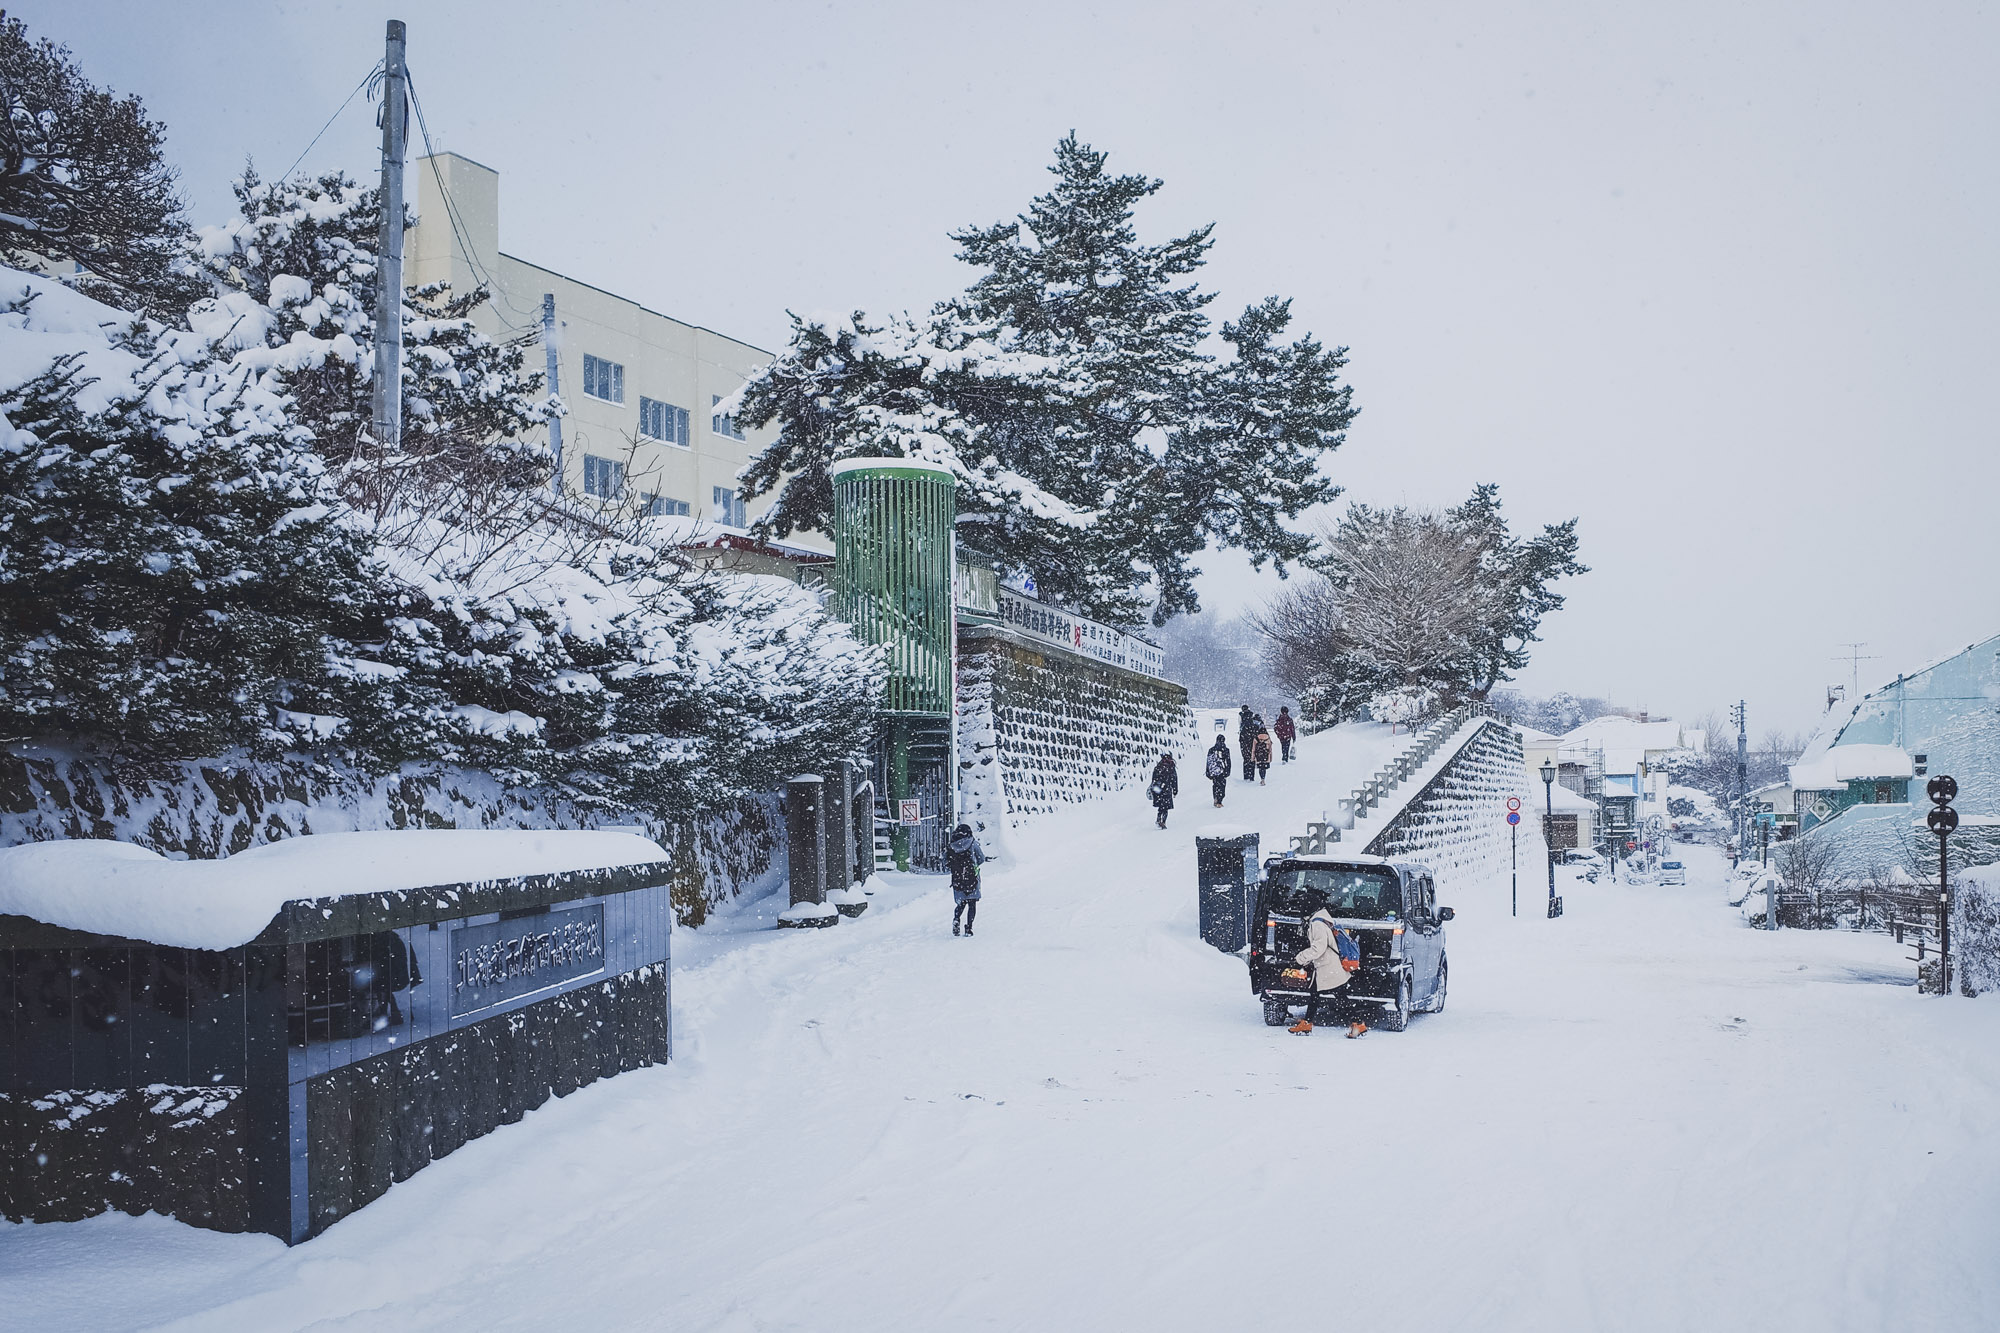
641	386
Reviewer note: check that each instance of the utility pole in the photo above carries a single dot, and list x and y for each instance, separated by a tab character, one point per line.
1740	716
389	246
549	349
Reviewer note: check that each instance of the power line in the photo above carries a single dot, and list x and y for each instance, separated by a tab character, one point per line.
366	79
458	227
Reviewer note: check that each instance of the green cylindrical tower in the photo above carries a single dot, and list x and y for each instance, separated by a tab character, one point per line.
892	566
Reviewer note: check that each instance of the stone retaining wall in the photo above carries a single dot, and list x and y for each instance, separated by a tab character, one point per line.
1039	729
1457	823
211	808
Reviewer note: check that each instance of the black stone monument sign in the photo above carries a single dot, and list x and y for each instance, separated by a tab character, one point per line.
280	1085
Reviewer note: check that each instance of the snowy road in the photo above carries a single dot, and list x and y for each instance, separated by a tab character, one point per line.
1641	1116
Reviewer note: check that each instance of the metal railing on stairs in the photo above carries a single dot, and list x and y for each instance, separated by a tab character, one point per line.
1319	837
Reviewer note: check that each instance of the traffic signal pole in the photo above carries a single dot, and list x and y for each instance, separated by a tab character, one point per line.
1942	820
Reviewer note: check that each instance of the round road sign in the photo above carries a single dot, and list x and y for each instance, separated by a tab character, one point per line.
1513	803
1942	789
1942	820
1513	816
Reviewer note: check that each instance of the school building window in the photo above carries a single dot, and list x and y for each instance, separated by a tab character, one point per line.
663	421
721	423
659	506
604	379
602	477
729	508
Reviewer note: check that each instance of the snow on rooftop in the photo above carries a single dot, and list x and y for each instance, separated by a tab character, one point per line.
119	888
845	465
1626	733
1841	764
1564	800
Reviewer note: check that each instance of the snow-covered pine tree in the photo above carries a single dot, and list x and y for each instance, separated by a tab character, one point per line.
543	639
294	274
1517	576
83	179
173	565
1105	448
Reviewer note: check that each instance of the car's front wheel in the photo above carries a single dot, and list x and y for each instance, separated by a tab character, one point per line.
1397	1017
1436	1004
1276	1014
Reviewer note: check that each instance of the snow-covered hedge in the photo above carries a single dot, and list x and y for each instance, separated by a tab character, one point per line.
203	550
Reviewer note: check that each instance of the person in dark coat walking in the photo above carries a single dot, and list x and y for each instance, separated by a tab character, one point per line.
1165	786
962	857
1260	753
1286	731
1217	768
1247	727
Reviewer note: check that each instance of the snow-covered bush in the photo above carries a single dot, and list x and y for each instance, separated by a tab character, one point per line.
1975	929
1401	707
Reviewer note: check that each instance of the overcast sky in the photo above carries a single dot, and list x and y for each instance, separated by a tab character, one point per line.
1720	279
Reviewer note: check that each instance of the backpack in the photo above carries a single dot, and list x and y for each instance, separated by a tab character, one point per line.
1350	951
1218	763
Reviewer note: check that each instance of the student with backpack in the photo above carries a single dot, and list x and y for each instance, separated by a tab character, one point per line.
1260	754
962	857
1218	767
1331	956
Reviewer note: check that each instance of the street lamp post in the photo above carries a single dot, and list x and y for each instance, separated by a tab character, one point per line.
1549	825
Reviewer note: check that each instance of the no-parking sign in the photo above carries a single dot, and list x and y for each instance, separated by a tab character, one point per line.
1513	816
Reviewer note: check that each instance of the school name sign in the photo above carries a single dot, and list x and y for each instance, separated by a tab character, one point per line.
1065	629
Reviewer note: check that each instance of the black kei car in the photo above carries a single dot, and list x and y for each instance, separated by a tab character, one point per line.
1389	907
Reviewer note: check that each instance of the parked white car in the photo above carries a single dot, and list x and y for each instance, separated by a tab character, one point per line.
1673	872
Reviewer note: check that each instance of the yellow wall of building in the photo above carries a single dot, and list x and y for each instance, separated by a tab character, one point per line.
663	358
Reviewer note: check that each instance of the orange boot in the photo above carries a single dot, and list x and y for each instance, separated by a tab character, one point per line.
1300	1028
1356	1028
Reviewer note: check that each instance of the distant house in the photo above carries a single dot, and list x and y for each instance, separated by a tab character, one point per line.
1616	767
1777	800
1574	823
1846	776
1861	781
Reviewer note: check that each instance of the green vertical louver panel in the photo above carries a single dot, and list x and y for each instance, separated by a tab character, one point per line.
892	573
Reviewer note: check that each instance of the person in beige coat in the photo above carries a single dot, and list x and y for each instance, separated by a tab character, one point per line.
1321	957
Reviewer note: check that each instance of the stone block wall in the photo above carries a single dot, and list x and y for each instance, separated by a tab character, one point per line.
213	808
1040	729
1456	824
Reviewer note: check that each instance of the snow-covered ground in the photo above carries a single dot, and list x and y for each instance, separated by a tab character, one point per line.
1641	1116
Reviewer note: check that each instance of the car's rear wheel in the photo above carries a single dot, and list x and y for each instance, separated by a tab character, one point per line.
1436	1005
1276	1014
1397	1017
